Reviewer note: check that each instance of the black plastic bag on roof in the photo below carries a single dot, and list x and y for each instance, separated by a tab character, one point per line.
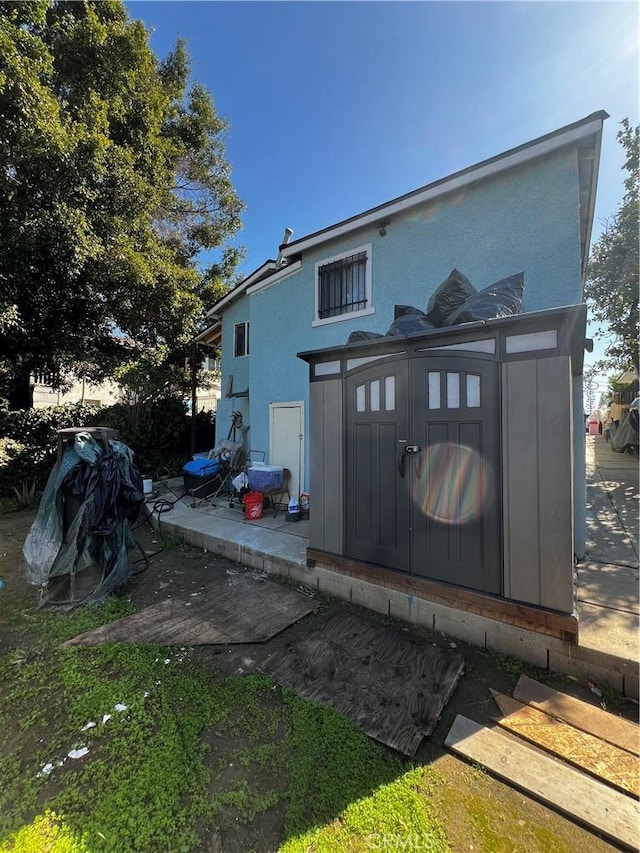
500	299
403	310
363	336
408	320
452	293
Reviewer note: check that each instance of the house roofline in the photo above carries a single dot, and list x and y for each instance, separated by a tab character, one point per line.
213	331
587	212
588	126
266	268
274	277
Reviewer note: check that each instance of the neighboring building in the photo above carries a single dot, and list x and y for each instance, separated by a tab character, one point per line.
207	397
108	392
529	209
44	394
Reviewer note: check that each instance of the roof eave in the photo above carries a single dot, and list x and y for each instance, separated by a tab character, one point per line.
211	335
588	189
264	269
591	125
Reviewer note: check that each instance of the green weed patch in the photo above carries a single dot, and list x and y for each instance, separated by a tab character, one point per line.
127	748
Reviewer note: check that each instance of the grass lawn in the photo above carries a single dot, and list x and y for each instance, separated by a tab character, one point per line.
174	754
133	748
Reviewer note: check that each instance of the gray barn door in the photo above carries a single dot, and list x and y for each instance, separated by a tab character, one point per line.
433	511
377	500
455	478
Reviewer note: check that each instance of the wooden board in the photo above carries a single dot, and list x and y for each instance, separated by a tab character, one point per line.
587	752
392	687
241	610
596	721
564	626
567	790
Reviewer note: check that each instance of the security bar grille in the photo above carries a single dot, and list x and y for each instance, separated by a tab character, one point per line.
342	286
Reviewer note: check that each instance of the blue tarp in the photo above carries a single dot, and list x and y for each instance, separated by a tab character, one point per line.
202	467
107	490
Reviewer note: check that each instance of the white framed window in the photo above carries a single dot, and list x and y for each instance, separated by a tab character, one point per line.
343	286
240	340
210	363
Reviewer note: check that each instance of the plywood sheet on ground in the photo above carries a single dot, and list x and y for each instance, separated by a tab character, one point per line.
569	791
596	721
390	686
587	752
244	611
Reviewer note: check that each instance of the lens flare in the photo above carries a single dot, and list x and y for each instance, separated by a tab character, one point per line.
452	483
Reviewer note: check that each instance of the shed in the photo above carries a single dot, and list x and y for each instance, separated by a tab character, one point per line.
442	465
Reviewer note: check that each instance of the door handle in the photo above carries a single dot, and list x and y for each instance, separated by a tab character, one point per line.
410	448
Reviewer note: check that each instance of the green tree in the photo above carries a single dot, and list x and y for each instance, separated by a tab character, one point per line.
612	274
113	179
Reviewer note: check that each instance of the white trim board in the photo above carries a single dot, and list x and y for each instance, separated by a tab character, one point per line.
281	274
241	288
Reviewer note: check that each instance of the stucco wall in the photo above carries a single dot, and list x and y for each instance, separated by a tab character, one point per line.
236	312
525	220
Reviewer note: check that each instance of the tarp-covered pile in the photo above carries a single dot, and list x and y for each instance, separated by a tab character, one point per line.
106	490
455	301
625	437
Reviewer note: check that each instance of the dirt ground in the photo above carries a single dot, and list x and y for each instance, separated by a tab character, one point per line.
477	811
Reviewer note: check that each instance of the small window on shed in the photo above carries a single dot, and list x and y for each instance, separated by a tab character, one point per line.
389	393
473	390
433	389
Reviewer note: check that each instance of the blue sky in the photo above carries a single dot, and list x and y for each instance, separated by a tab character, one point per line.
335	107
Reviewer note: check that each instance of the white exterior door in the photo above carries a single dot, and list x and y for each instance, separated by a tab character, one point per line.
286	441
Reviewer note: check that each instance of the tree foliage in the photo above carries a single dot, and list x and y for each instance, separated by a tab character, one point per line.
113	178
612	274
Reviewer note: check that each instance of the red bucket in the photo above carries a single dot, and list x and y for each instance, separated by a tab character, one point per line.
253	505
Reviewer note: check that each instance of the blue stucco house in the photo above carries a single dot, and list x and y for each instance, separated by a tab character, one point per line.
528	209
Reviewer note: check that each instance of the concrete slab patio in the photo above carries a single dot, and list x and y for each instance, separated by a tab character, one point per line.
607	580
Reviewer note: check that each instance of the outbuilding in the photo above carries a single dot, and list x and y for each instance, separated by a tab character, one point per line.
442	465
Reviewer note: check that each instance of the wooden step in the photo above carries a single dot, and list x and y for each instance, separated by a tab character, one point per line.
612	765
596	721
565	789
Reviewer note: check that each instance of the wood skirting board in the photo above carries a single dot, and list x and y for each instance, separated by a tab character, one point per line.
560	625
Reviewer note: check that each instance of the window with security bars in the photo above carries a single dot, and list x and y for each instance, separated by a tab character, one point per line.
342	286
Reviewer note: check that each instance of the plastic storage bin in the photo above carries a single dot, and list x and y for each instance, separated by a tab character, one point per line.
262	477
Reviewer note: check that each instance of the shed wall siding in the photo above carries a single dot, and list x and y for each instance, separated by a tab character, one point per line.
327	467
538	482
